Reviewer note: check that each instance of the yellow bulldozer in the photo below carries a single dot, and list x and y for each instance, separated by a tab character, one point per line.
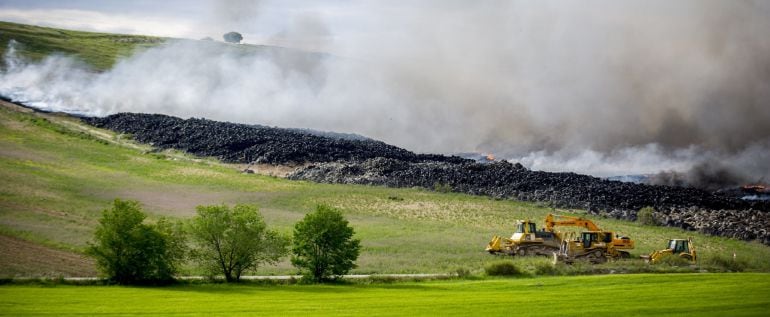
527	240
682	248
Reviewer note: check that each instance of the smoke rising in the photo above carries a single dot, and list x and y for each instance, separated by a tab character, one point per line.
600	87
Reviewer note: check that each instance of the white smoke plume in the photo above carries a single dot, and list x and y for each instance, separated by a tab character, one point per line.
600	87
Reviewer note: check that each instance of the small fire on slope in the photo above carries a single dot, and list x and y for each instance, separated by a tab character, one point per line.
755	192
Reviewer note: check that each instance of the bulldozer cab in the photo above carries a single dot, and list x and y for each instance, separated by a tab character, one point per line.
526	227
588	238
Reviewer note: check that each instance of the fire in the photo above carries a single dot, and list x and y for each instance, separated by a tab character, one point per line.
755	188
490	157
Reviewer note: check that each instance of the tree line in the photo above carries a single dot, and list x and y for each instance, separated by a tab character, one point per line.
222	240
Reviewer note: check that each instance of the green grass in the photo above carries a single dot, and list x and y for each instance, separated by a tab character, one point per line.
615	295
59	174
99	50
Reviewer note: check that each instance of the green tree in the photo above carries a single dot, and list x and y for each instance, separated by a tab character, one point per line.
127	251
231	241
646	216
323	244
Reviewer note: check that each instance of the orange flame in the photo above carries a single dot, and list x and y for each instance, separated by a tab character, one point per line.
490	157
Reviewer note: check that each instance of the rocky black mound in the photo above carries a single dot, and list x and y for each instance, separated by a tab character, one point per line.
241	143
677	206
364	161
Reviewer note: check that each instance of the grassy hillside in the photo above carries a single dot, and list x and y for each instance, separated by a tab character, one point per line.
615	295
99	50
59	174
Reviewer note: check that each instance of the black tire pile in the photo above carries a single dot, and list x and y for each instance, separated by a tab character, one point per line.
369	162
687	208
241	143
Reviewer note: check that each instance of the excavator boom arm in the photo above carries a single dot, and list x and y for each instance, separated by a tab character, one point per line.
552	221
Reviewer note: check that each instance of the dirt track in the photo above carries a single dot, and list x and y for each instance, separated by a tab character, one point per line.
23	258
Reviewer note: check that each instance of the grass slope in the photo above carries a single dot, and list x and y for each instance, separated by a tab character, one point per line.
616	295
59	174
100	50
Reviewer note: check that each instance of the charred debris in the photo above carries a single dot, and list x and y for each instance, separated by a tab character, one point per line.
346	159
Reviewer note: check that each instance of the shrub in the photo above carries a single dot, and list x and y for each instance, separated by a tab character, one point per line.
674	260
442	188
727	263
502	268
127	251
546	268
462	272
324	247
231	241
646	216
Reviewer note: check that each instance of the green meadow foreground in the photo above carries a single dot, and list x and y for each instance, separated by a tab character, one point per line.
607	295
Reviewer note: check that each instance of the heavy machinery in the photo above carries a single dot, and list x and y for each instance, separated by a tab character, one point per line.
592	246
682	248
527	240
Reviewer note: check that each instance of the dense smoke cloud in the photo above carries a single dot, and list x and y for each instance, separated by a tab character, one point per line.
601	87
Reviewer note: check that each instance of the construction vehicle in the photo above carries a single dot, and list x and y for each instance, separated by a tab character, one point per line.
592	246
527	240
682	248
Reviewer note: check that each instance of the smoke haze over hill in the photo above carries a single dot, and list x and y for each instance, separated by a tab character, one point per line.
600	87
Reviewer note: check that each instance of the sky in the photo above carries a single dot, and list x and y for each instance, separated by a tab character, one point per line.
261	22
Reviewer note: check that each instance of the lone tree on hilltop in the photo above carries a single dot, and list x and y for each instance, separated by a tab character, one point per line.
127	251
231	241
323	244
233	37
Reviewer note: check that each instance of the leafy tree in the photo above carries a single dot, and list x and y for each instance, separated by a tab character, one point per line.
323	244
231	241
128	251
232	37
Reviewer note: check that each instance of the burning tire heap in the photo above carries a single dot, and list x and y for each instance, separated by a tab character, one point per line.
241	143
369	162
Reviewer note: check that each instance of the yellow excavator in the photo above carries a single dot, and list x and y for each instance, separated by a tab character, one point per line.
592	246
527	240
682	248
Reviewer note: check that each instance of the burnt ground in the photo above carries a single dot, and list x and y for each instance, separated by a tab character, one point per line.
331	159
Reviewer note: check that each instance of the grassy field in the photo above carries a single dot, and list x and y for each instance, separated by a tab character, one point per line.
99	50
608	295
58	175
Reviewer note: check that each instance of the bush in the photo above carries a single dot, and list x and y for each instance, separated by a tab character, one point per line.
674	260
324	247
442	188
128	251
502	268
646	216
231	241
727	263
546	268
462	272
